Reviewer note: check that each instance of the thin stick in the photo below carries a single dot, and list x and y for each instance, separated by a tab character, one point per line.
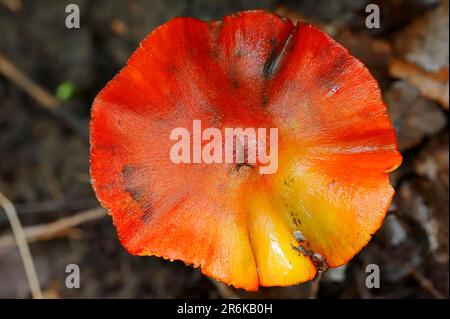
34	90
425	283
54	229
42	96
24	250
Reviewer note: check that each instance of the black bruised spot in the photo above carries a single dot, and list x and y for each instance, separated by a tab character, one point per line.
270	65
127	171
137	192
277	52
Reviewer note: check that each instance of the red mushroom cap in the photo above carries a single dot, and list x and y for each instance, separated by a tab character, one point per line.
251	70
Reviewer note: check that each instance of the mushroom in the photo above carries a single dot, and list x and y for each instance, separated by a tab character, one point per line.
255	70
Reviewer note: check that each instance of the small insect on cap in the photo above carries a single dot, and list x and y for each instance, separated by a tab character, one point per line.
330	192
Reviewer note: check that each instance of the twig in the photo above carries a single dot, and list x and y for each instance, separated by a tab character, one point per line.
41	96
54	229
426	284
34	90
24	250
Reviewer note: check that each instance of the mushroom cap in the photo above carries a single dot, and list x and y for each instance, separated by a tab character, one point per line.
252	69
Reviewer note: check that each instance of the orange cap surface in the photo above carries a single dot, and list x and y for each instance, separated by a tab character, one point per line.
253	69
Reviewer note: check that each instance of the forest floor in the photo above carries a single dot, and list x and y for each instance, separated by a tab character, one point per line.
44	153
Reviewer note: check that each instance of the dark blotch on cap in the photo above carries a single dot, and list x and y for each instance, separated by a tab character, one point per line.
137	192
270	65
127	171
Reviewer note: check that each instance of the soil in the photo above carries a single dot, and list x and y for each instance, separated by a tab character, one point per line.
44	158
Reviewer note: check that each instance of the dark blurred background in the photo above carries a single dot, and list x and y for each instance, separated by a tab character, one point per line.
49	76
